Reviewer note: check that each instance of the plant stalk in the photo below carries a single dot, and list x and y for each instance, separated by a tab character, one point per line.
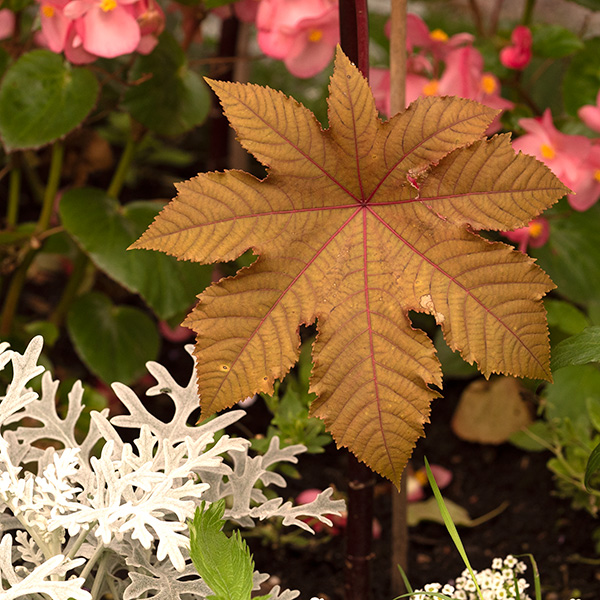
398	69
361	482
219	125
19	277
58	151
14	195
71	289
528	13
354	36
354	33
114	189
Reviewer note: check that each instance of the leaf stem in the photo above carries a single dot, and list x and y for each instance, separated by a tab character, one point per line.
85	573
80	265
19	278
11	300
79	541
528	12
100	573
116	185
14	194
58	151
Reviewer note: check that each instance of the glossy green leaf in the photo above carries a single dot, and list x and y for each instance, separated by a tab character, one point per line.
565	316
42	98
593	466
572	255
582	79
104	230
535	438
566	397
170	99
593	411
554	41
225	563
579	349
115	342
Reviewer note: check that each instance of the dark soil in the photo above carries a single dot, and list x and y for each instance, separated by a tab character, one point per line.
535	522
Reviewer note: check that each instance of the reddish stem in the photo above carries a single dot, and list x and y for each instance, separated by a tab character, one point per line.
354	33
354	36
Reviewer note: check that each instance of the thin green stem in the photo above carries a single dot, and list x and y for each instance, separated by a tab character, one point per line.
58	151
528	12
80	267
100	573
19	278
114	189
13	294
92	561
79	541
14	195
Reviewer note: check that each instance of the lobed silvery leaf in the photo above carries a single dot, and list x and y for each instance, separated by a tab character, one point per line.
39	580
127	508
25	368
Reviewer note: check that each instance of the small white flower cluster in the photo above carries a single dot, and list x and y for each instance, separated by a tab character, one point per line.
495	583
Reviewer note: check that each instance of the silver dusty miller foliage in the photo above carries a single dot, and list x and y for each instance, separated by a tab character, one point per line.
79	520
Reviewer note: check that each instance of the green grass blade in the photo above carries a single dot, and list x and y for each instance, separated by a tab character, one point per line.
450	526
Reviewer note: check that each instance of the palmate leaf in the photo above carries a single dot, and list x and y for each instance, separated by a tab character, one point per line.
355	226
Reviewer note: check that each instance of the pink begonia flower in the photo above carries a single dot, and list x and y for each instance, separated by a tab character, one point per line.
339	521
572	158
151	20
535	234
7	23
438	42
464	77
518	54
590	114
302	33
107	28
416	481
55	26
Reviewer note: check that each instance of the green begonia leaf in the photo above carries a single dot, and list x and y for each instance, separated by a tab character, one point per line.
582	79
565	316
42	98
104	230
593	466
225	563
579	349
572	255
173	99
115	342
566	398
554	41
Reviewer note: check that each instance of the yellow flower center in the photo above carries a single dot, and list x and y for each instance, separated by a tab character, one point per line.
547	151
438	35
48	11
597	174
488	84
315	35
108	5
431	88
535	229
421	476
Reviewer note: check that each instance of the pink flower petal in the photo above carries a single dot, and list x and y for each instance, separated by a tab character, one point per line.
110	33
